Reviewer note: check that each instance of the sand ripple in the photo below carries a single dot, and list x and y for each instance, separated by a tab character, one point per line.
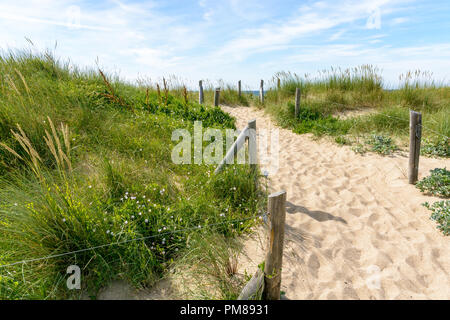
355	228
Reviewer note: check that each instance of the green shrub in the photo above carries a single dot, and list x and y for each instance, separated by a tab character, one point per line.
342	140
118	183
436	147
175	108
313	121
62	214
381	144
335	91
359	148
437	183
440	212
230	96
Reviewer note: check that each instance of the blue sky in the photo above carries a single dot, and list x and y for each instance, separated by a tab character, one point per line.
235	40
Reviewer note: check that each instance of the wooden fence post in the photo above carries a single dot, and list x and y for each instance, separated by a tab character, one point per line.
233	150
415	136
239	88
278	84
254	288
261	92
200	92
216	97
274	258
297	102
252	147
248	134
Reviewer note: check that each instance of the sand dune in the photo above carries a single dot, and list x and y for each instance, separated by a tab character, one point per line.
355	228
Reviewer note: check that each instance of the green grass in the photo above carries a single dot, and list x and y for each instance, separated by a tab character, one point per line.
440	212
117	184
380	112
381	144
207	268
437	183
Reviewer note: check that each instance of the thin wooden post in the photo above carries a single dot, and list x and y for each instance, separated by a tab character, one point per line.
248	134
415	136
200	92
274	258
235	147
261	92
254	288
297	102
252	148
239	88
216	97
278	84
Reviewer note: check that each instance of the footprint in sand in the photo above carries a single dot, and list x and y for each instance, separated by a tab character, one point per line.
331	296
383	260
313	265
412	261
349	293
372	218
352	254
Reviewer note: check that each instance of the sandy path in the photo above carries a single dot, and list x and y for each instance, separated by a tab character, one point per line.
355	228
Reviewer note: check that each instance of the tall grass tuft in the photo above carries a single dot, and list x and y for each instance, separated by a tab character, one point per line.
329	98
85	162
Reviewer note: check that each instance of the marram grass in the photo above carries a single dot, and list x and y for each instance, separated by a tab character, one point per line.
85	161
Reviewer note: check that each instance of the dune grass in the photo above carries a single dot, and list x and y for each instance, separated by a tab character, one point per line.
85	160
353	105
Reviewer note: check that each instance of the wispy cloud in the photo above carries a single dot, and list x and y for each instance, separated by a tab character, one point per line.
336	35
68	22
308	21
231	39
399	20
159	59
393	61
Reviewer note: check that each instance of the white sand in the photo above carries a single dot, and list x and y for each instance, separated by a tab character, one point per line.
348	216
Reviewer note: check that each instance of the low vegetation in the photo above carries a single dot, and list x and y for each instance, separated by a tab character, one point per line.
437	183
354	106
440	212
86	176
87	180
439	147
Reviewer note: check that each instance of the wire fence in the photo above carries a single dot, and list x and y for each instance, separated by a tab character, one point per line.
421	125
260	216
396	118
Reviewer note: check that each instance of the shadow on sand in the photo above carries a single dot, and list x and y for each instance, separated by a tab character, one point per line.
316	215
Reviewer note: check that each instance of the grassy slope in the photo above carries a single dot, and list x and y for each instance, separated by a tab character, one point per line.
122	185
336	91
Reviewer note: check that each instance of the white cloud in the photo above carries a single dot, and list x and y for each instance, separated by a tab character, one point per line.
68	23
393	61
251	10
308	21
218	39
399	20
336	35
156	58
